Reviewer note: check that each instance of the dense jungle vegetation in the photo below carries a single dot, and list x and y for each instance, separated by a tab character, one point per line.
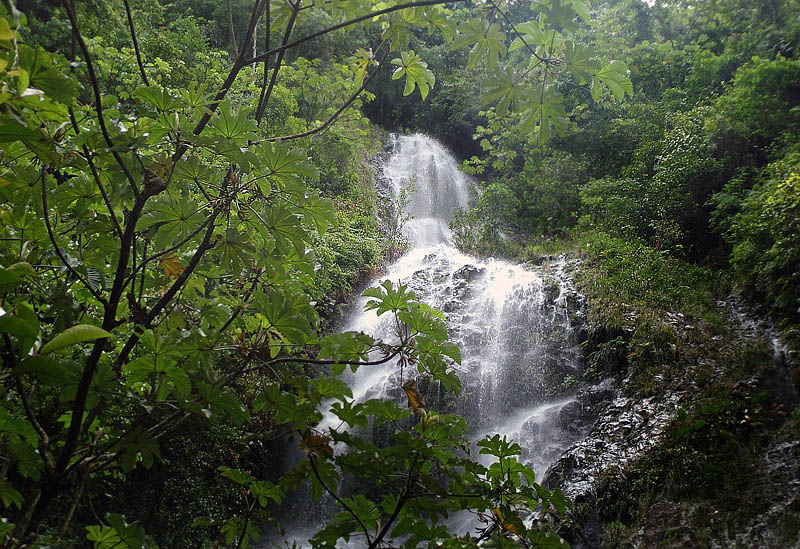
187	200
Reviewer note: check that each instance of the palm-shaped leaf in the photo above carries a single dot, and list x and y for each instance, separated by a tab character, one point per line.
416	71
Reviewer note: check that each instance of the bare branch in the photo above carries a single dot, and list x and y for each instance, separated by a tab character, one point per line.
234	46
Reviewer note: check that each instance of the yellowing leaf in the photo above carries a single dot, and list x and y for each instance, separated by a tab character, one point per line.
171	265
414	398
316	445
507	526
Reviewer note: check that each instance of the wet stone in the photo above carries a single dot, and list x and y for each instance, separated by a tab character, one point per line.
468	272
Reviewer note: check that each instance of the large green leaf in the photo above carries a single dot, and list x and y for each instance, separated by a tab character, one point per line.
46	370
388	298
137	446
13	325
534	34
236	249
29	462
286	228
11	130
103	537
505	88
615	76
486	39
546	115
158	97
580	62
9	495
322	213
16	427
46	76
346	347
237	126
287	314
8	280
283	166
71	336
132	535
416	71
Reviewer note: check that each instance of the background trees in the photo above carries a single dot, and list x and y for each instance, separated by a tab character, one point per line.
677	166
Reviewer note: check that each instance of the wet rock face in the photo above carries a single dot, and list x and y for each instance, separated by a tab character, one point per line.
779	523
600	472
586	408
624	430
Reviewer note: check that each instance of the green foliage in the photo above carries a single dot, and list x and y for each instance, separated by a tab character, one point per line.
763	101
630	274
665	210
416	72
763	234
709	450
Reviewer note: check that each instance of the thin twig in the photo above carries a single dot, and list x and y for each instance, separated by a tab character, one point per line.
264	99
103	192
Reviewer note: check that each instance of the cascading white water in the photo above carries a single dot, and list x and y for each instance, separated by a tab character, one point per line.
440	187
511	324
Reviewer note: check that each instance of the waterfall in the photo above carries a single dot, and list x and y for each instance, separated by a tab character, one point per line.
513	325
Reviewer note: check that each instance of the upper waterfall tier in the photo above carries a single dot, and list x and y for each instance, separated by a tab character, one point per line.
440	187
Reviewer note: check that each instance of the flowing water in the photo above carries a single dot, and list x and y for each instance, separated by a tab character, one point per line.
514	326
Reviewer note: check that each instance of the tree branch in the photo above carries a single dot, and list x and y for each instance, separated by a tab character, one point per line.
205	245
26	405
401	501
238	65
339	500
264	99
338	112
103	192
299	360
171	249
234	46
97	295
135	43
98	103
347	23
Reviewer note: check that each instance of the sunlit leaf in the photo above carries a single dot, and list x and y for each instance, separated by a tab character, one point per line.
615	77
486	39
71	336
416	71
